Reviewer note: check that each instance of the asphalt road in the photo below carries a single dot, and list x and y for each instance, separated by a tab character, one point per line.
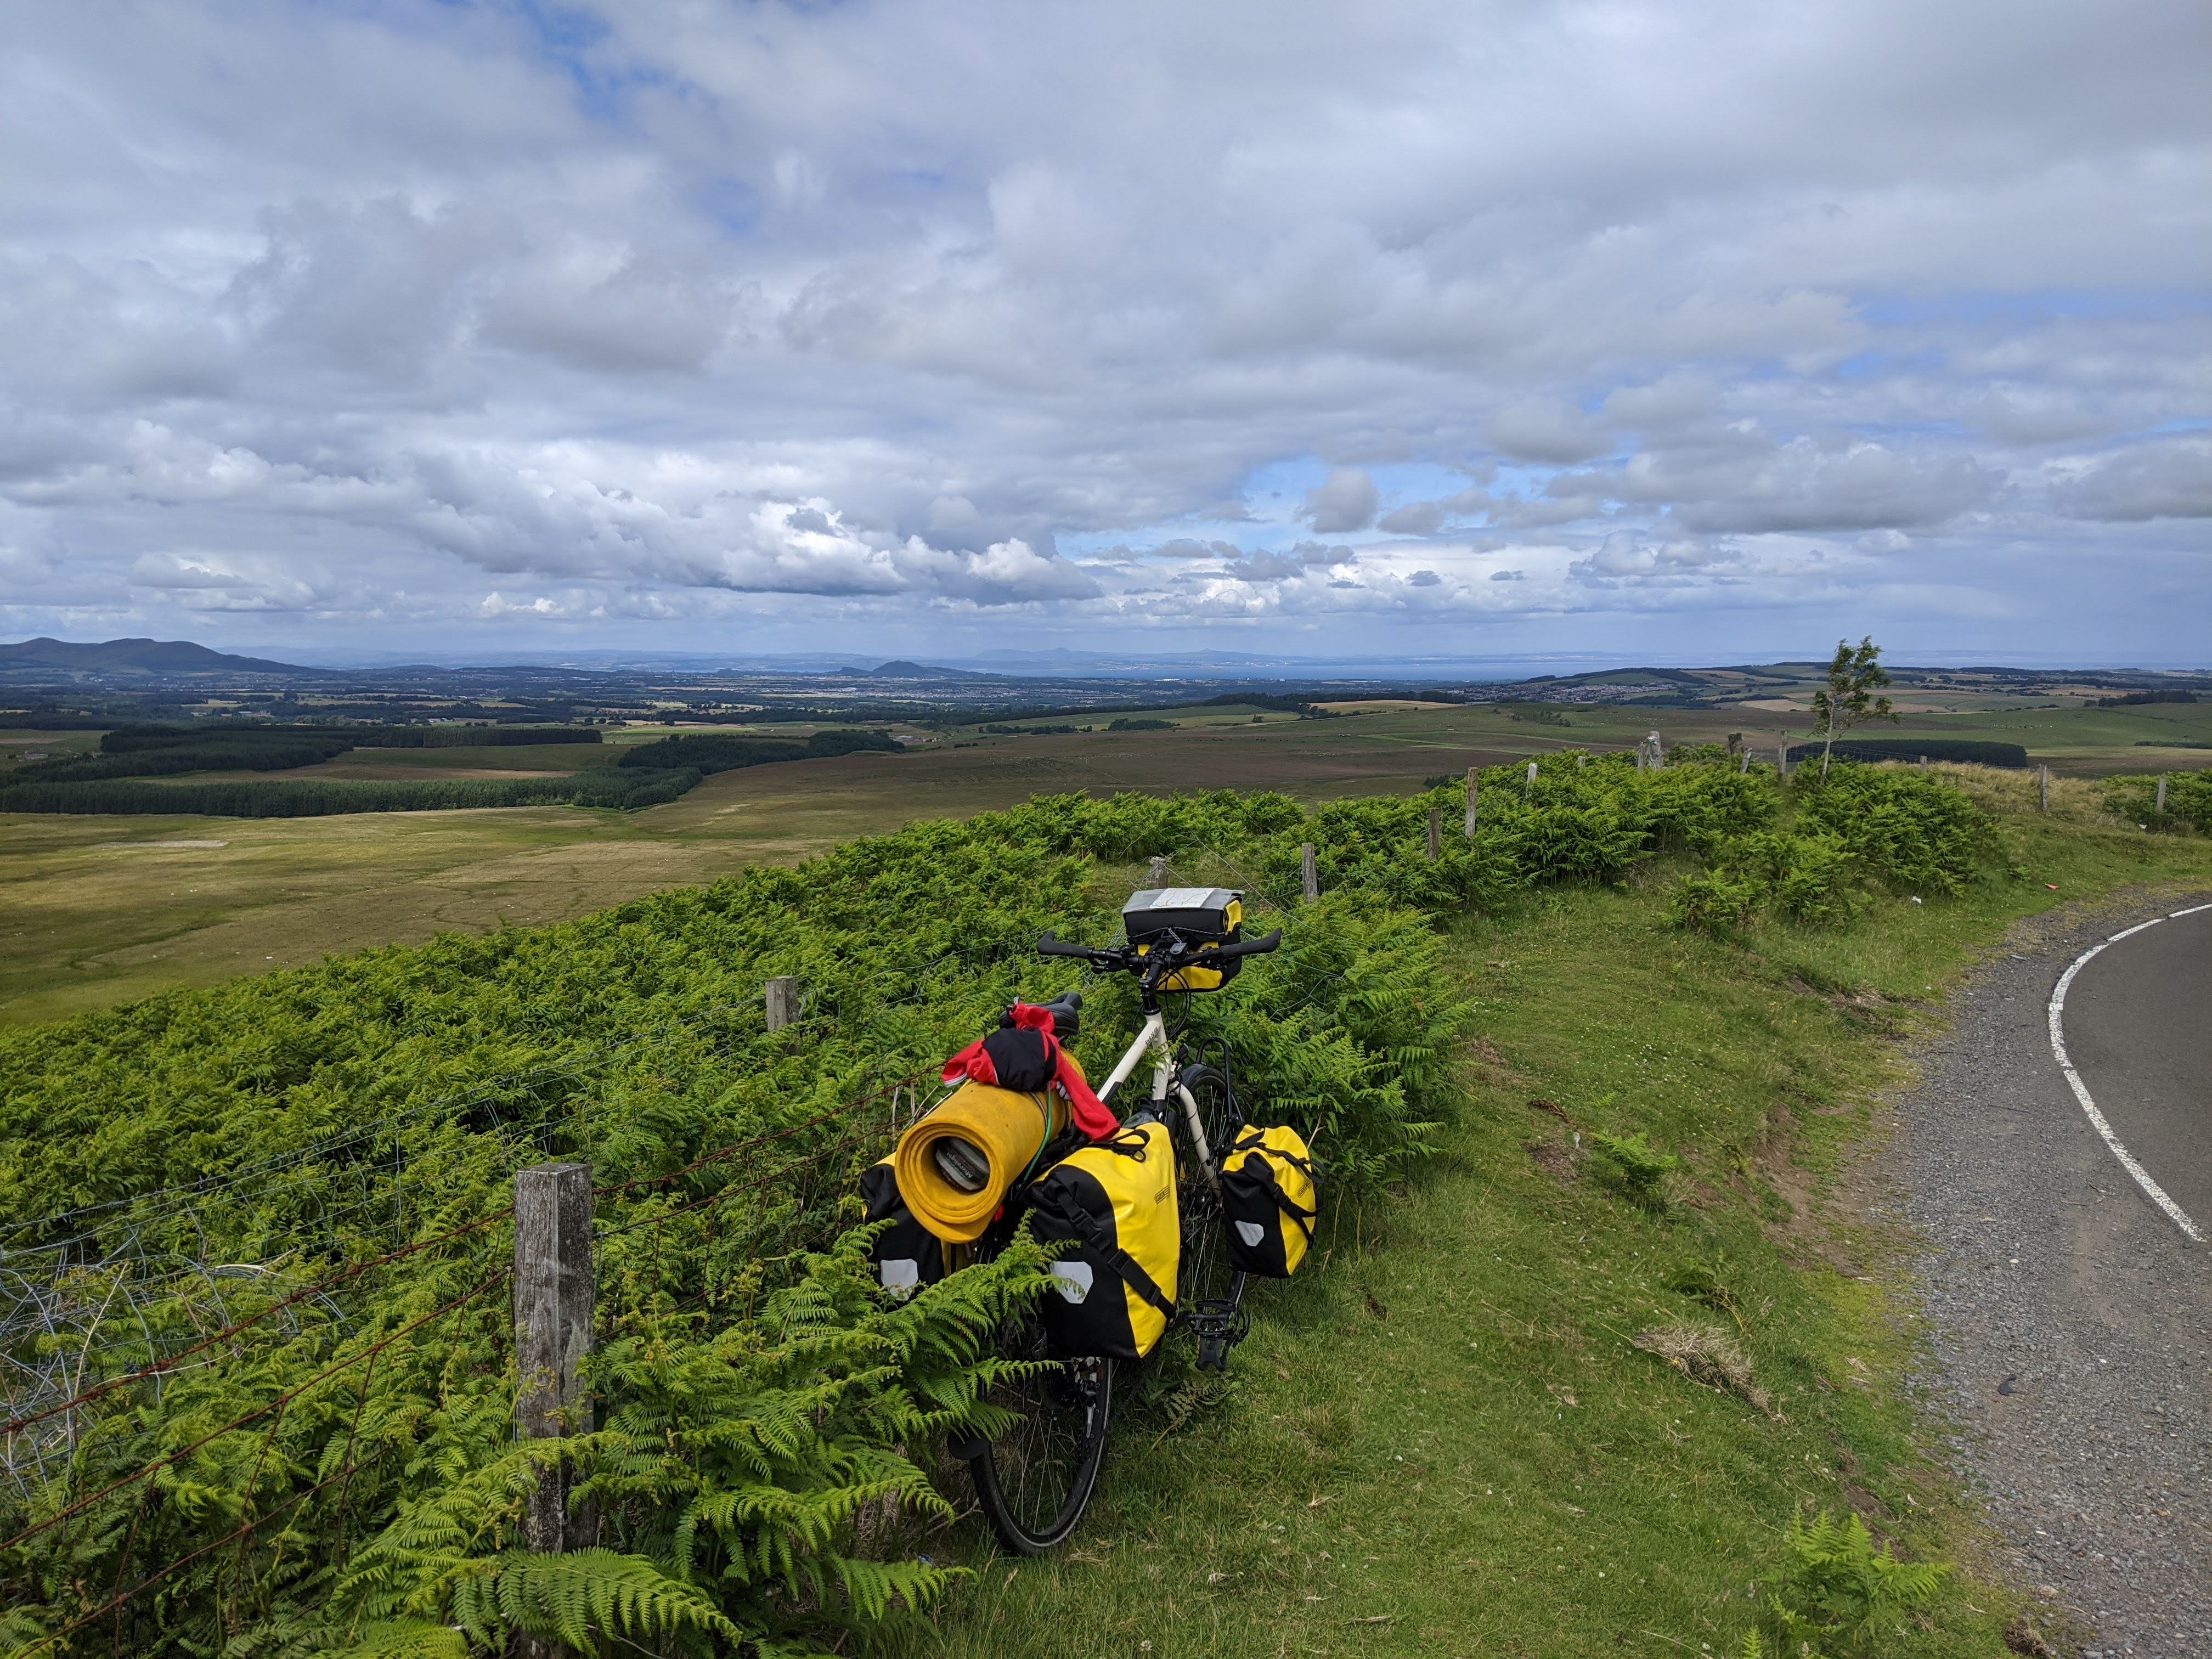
2070	1318
2138	1023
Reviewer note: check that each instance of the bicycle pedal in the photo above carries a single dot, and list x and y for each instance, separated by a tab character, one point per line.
1219	1325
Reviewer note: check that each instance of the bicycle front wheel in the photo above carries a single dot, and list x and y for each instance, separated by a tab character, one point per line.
1034	1480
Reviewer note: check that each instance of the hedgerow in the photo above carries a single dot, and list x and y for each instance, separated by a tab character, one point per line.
595	785
1858	829
2188	799
710	752
1913	833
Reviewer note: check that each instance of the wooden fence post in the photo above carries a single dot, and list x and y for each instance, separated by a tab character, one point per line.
2043	788
1473	788
1529	786
1157	875
1782	758
782	1003
1306	870
1924	763
1743	766
2161	792
1435	832
554	1294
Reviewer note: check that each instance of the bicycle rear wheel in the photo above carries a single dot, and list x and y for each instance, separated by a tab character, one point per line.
1034	1480
1209	1293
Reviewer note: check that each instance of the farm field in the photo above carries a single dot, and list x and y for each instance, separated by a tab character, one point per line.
99	910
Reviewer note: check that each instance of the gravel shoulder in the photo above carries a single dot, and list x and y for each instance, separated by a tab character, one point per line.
2070	1321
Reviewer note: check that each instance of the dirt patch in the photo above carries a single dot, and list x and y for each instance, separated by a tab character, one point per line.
1557	1159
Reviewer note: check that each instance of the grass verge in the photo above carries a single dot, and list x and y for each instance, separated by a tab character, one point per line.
1445	1439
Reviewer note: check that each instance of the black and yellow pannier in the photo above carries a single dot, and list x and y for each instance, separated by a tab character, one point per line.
907	1255
1268	1201
1117	1200
1199	916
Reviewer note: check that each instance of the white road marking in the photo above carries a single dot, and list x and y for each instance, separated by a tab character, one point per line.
2156	1193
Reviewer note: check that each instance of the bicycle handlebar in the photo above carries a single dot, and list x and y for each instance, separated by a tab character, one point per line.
1128	958
1250	947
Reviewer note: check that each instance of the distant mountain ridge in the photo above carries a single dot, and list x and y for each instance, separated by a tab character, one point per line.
140	656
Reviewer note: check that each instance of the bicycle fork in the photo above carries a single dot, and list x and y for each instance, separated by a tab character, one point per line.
1163	1077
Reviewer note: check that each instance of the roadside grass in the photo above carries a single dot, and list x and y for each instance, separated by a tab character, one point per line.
1444	1440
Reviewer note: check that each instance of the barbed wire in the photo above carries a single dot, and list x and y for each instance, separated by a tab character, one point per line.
282	1399
17	1424
568	1067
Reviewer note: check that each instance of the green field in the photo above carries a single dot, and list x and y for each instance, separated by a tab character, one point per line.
98	910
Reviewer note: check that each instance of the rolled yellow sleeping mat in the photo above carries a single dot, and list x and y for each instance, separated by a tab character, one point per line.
1007	1129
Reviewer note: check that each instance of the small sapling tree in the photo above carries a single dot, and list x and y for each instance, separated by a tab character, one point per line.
1854	676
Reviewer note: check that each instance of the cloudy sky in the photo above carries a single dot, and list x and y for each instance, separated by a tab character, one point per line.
1691	329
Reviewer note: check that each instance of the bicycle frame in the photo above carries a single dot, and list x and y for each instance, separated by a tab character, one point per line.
1154	1033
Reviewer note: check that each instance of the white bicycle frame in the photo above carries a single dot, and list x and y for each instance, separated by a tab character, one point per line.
1152	1034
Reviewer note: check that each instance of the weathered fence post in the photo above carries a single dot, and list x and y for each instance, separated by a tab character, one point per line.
1743	766
1473	788
2043	788
1924	763
1312	877
1782	758
1658	750
2161	792
1436	832
1157	875
1736	744
1530	785
782	1003
554	1294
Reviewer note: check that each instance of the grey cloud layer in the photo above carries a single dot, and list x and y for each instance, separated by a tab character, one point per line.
846	316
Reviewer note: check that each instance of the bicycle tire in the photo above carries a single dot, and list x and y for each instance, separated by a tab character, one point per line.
1034	1481
1209	1293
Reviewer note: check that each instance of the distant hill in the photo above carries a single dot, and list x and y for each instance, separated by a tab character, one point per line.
136	656
900	669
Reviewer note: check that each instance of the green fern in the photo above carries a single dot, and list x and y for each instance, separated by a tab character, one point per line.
1835	1587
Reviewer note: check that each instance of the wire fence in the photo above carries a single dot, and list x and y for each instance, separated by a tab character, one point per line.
120	1288
31	1440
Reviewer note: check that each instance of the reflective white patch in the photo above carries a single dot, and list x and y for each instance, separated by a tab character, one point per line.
1182	899
1074	1278
901	1276
1251	1233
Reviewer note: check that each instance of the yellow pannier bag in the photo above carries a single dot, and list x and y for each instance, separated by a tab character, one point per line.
1268	1201
955	1167
1113	1293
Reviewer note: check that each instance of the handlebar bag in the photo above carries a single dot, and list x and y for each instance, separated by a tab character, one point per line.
1268	1201
1200	917
1113	1293
907	1255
